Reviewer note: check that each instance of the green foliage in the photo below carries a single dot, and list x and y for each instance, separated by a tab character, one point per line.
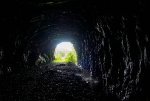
66	57
58	57
71	57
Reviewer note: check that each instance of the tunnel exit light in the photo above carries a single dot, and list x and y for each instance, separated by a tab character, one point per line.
64	46
65	52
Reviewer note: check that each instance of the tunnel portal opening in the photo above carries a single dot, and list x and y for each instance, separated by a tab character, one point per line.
64	53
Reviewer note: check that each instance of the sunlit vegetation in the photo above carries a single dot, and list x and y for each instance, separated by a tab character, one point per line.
65	52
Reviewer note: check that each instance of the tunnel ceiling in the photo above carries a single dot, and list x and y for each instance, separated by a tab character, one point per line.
103	6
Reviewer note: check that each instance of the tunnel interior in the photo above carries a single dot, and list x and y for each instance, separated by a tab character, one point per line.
111	40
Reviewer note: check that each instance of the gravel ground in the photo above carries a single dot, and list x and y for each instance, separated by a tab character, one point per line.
51	82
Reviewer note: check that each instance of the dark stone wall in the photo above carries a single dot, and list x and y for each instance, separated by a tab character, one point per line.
117	52
123	51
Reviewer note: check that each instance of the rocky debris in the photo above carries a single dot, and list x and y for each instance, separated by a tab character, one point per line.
59	84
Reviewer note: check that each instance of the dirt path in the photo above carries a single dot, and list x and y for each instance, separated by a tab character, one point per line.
52	82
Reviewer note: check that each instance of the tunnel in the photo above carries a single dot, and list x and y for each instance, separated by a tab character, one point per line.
111	46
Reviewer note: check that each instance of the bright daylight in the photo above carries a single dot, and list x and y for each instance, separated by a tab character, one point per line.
65	52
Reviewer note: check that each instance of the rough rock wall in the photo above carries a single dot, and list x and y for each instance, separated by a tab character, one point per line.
117	52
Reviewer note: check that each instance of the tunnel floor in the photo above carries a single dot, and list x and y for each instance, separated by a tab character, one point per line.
52	82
